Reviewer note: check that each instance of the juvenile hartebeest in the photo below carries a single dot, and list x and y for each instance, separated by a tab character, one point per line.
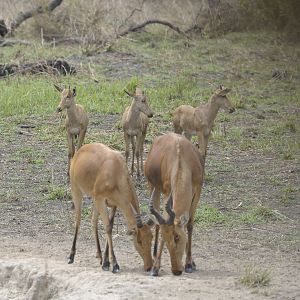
101	173
76	120
175	168
199	121
135	122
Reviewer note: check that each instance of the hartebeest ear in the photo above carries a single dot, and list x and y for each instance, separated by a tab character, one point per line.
58	88
223	91
74	91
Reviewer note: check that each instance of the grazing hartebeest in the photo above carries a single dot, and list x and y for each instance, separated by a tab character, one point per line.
76	120
101	173
135	122
199	121
175	168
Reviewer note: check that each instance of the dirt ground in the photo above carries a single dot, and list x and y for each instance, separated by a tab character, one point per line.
36	234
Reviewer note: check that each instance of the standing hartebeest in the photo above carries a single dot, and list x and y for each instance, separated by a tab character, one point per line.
199	121
76	121
175	168
135	122
101	173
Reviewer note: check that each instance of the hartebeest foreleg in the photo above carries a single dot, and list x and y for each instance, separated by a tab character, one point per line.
76	196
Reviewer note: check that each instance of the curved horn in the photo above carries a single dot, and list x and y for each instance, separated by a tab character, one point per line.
139	222
138	218
169	210
154	212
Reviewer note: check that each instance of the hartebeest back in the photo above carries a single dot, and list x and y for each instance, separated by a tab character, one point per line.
174	167
101	173
76	121
199	121
135	122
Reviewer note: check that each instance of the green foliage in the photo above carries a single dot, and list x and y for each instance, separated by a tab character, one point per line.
255	277
259	214
56	193
209	215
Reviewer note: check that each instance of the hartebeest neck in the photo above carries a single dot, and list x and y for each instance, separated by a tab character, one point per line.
212	110
72	113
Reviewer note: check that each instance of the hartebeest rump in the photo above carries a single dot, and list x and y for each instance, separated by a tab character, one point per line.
76	120
135	122
175	168
101	173
199	121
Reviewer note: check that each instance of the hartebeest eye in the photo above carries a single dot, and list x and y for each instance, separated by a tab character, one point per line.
176	238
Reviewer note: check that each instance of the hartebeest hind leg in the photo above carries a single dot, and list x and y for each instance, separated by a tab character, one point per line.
133	144
95	228
106	263
100	205
139	153
190	265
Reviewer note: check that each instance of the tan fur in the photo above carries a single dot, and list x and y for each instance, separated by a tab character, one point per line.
135	122
199	121
76	120
175	167
101	173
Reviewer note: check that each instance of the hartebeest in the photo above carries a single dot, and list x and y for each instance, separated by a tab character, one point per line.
175	168
199	121
76	120
135	122
101	173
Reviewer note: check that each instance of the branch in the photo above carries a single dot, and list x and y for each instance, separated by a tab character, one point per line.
148	22
23	16
10	42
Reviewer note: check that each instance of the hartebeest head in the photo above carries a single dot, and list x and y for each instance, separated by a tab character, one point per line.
141	102
173	234
66	97
142	239
220	98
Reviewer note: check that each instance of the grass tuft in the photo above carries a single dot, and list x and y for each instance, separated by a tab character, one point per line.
255	277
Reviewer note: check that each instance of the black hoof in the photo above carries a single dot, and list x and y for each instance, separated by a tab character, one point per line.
177	273
116	268
105	266
154	272
189	268
71	258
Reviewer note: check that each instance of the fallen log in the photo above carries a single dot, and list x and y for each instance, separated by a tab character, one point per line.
51	66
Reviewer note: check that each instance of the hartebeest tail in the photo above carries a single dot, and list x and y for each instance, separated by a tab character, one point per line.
101	173
76	121
135	122
175	168
199	121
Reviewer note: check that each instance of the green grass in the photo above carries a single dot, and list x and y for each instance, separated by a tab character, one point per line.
208	215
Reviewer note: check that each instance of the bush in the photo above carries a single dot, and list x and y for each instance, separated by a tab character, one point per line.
241	15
